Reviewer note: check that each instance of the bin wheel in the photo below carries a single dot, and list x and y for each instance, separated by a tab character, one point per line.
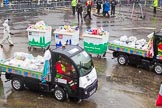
17	84
122	59
158	69
90	55
48	47
99	56
104	54
59	94
43	49
29	48
35	49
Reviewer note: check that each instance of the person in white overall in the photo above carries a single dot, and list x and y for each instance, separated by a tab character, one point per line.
46	70
6	34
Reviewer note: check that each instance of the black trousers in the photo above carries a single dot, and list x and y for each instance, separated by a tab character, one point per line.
154	10
104	14
112	10
88	14
98	11
80	15
73	9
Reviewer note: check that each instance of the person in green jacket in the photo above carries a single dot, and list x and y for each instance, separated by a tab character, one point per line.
155	5
73	4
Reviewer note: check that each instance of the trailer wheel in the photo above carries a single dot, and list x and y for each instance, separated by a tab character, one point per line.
17	84
122	59
158	69
59	94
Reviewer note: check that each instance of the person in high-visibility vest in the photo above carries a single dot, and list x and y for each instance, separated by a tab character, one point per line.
64	68
89	2
155	5
60	68
73	4
89	5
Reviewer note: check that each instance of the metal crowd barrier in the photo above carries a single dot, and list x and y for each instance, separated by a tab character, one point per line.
32	6
52	5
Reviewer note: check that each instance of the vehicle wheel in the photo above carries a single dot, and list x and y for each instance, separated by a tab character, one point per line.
59	94
122	60
17	84
104	54
158	69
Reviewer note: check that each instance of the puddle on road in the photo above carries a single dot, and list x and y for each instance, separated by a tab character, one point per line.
100	65
137	82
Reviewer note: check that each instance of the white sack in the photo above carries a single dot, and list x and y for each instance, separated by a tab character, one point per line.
132	39
123	38
131	44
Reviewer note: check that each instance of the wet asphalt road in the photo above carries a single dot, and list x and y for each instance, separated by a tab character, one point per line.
119	86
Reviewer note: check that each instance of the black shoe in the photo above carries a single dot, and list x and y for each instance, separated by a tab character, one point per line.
1	45
84	18
11	45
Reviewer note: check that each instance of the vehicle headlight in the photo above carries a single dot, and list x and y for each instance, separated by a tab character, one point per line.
85	92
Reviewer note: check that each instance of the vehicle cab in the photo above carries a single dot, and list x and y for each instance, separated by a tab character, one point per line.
73	72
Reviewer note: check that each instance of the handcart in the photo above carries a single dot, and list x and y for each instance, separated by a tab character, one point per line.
96	44
68	37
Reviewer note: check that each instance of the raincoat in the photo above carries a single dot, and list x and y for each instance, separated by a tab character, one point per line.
106	7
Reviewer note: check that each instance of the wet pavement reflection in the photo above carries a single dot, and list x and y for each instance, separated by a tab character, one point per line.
119	86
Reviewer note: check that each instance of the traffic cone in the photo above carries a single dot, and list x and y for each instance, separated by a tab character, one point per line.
159	99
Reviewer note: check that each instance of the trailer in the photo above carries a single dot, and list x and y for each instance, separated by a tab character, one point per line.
149	58
68	73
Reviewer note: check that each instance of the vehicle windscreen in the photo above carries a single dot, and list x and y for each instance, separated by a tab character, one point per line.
83	62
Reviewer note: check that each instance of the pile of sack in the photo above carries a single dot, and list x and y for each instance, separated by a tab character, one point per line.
96	31
131	42
67	28
26	61
39	26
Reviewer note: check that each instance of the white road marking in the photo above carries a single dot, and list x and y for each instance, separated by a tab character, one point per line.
136	28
